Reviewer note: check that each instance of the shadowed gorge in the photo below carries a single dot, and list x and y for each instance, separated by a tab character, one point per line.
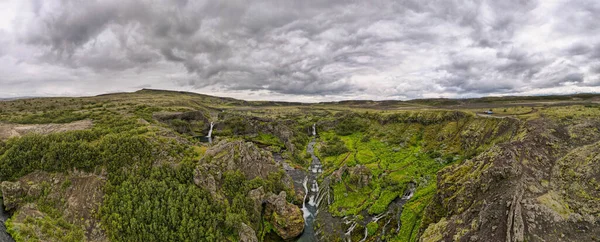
133	167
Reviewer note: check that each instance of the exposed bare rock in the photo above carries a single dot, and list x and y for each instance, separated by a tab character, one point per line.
13	193
514	223
203	178
77	195
338	174
239	155
257	195
247	234
540	187
17	130
360	175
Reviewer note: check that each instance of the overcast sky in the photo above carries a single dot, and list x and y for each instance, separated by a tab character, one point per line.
300	50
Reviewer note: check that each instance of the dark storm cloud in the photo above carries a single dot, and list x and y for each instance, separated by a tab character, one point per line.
578	49
377	48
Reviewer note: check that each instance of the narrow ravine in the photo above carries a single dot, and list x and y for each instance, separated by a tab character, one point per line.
311	188
4	236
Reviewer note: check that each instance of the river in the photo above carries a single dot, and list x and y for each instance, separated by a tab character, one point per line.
311	189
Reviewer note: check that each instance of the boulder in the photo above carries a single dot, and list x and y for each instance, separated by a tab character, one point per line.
257	195
285	217
12	193
204	179
247	234
360	175
238	155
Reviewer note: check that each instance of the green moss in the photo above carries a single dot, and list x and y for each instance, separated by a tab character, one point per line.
554	202
435	232
382	202
267	139
372	228
412	213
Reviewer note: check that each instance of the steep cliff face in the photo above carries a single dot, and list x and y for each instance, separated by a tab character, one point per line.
254	163
235	156
540	187
55	207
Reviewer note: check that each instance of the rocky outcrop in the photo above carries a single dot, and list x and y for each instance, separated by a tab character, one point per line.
360	175
539	187
338	174
77	195
17	130
203	178
257	196
285	217
247	234
193	123
253	162
237	155
12	193
251	125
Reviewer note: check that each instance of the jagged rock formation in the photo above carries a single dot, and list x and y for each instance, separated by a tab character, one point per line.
253	162
78	196
247	234
285	217
360	175
540	187
250	125
236	155
233	156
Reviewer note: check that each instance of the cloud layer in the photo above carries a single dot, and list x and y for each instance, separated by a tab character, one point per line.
300	50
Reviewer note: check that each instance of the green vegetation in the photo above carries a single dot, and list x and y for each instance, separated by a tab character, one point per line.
53	229
143	147
163	207
372	228
333	147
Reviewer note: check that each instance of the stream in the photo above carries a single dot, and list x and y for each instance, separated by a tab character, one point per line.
311	193
393	213
340	228
4	236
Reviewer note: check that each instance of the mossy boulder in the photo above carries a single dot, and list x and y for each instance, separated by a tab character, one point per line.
286	218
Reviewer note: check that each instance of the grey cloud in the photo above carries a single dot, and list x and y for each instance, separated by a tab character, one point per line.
320	47
578	49
168	54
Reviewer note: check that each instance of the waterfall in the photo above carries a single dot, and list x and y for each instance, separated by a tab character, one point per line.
212	124
305	211
314	132
209	136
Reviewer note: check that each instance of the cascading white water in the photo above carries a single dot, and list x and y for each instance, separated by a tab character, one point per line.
212	124
305	211
310	208
209	136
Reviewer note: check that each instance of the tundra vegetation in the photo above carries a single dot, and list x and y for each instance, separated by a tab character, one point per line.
143	172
